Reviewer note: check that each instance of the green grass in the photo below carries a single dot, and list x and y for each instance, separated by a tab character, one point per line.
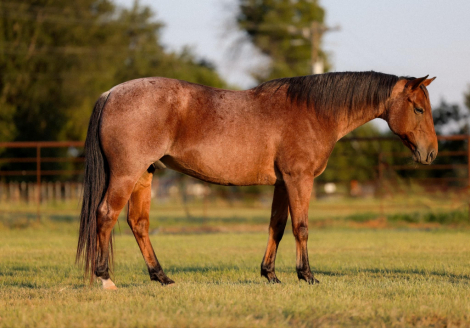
437	209
400	277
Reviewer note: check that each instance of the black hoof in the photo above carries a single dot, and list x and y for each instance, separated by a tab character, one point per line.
274	280
166	281
313	281
163	280
308	277
161	277
271	276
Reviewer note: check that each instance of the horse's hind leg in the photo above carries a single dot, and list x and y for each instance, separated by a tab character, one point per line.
138	219
279	212
117	194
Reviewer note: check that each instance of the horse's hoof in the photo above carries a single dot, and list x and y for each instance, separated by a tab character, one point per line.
167	282
308	277
108	284
270	275
113	287
274	281
313	281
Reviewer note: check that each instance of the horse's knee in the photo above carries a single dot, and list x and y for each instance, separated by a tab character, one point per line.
301	232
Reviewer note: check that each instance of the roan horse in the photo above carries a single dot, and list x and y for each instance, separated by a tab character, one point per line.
280	133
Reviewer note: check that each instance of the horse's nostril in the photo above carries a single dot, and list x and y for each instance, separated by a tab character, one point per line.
431	156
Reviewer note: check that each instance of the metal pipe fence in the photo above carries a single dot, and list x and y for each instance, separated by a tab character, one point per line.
10	176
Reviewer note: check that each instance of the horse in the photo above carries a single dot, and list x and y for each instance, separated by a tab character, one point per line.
279	133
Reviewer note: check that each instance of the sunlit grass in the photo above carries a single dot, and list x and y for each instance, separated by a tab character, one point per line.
368	278
218	212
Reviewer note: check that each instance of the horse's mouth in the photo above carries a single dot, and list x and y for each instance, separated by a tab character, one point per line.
416	156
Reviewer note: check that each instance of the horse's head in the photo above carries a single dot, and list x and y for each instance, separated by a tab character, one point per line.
409	116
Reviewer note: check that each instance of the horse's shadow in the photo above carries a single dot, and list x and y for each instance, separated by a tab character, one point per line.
390	272
398	272
217	271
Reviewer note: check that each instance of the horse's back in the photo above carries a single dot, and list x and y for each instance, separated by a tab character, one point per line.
216	135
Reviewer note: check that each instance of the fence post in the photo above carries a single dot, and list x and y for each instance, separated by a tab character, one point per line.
382	214
38	178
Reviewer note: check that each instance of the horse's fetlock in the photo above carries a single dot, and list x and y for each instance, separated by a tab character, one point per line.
304	273
102	273
267	268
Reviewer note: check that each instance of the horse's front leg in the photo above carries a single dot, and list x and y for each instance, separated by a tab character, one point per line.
299	189
279	212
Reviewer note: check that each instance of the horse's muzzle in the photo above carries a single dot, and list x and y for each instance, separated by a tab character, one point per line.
423	156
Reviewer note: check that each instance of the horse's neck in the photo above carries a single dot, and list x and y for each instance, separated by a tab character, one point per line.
347	125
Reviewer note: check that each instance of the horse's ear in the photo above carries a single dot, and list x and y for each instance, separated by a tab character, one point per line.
415	83
428	81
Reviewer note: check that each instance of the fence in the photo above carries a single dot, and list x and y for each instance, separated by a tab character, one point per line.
385	167
13	191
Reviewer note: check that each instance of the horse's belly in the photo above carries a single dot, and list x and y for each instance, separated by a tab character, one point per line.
224	172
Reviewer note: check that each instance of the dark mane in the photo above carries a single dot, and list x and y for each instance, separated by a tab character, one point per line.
330	92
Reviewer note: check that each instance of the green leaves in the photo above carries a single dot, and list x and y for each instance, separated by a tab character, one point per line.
279	28
58	56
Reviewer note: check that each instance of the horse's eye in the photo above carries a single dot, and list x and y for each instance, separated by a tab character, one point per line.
419	110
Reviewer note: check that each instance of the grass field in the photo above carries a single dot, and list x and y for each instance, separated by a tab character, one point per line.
401	276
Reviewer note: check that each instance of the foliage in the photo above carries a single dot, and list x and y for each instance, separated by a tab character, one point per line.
450	118
354	160
452	217
58	56
275	28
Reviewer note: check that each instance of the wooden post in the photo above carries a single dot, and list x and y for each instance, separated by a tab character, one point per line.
67	190
382	212
31	193
57	192
50	191
38	180
14	192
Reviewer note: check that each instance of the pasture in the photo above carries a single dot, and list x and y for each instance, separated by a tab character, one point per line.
401	274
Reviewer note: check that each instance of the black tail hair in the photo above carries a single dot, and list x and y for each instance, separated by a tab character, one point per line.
94	187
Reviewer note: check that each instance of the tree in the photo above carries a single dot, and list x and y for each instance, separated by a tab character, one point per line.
58	56
452	119
467	98
449	118
275	28
361	156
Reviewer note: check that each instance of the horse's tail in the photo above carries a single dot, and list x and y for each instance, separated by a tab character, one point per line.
94	187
